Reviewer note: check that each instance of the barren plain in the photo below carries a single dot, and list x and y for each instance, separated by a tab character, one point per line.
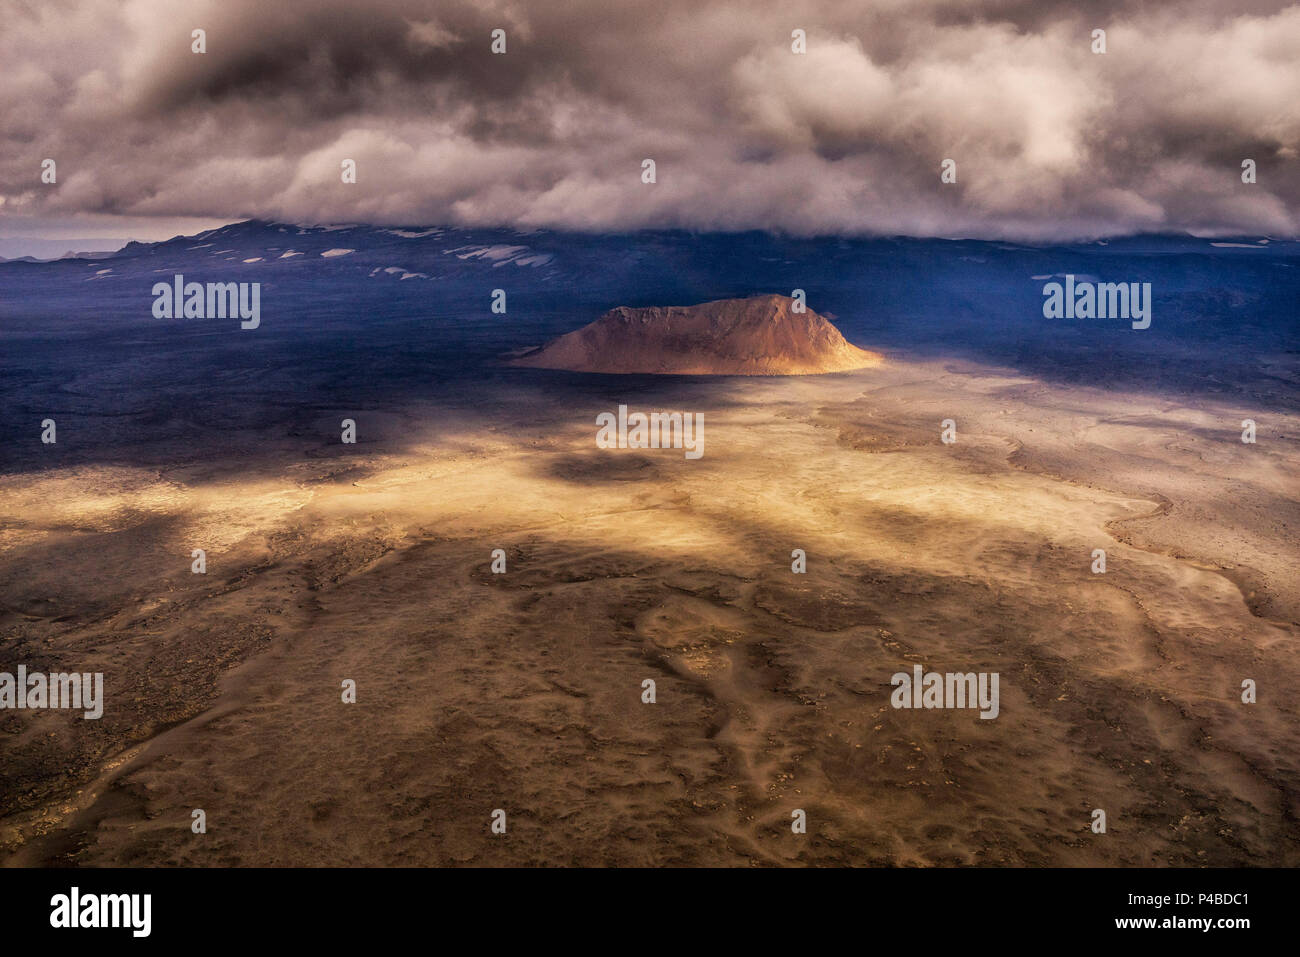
522	691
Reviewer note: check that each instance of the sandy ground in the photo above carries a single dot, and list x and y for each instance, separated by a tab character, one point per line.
522	691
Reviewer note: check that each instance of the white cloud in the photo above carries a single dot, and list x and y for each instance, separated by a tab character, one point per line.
1050	140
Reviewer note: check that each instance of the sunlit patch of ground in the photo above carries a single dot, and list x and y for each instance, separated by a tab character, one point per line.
523	691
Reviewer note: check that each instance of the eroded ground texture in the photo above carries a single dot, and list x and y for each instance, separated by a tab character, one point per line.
523	691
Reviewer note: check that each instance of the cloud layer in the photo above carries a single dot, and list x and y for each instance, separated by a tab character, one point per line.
1051	140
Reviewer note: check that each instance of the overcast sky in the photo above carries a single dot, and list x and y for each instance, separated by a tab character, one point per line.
1051	140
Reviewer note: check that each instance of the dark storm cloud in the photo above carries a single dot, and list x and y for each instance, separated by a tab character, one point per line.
1050	140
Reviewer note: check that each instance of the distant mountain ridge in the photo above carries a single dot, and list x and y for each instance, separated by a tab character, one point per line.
49	250
429	302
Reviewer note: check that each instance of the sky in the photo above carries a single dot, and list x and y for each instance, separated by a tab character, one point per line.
1050	140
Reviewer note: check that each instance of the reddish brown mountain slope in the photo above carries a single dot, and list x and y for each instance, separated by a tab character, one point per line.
757	336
